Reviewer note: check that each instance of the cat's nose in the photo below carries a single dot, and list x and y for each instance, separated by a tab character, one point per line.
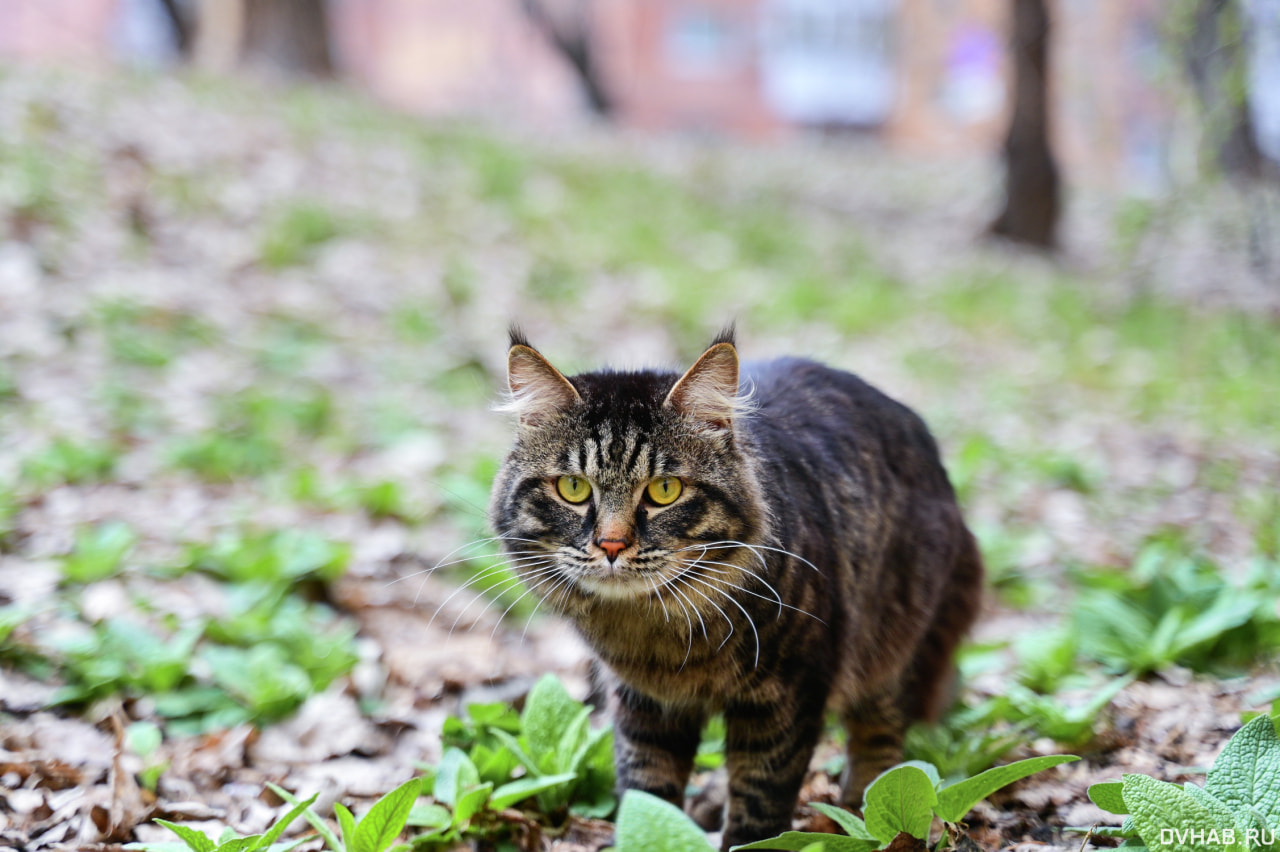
611	547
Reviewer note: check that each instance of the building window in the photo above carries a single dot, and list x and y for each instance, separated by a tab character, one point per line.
828	61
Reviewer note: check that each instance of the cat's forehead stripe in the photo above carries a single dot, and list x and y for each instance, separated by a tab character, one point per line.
638	447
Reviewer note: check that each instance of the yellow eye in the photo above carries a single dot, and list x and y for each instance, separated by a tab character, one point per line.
665	490
575	489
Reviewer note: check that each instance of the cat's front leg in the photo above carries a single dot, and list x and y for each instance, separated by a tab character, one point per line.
768	747
654	745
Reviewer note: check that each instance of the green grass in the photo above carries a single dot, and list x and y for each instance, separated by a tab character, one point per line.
292	235
1155	360
258	659
65	461
148	336
258	432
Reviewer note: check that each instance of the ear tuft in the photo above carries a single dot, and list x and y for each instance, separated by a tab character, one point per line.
516	336
708	392
539	392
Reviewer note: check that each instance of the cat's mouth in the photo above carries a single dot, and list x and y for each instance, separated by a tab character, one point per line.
616	581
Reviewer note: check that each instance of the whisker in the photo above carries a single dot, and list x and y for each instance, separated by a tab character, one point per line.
741	609
492	570
563	584
700	562
723	614
671	585
653	581
689	622
462	547
754	547
705	548
501	587
548	574
708	580
460	561
442	564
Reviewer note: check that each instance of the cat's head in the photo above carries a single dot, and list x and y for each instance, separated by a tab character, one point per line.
619	482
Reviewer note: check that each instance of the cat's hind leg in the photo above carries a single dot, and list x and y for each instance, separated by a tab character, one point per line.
926	689
876	726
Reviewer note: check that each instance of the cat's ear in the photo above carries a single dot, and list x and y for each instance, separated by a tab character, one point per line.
539	391
708	392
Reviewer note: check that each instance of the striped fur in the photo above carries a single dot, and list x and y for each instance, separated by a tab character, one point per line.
815	561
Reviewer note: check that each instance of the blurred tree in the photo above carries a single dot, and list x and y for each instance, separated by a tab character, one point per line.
1210	38
289	36
179	19
569	31
1032	203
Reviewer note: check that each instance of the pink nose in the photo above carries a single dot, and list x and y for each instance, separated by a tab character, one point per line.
612	547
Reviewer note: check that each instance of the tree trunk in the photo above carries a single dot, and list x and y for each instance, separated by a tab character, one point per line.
283	36
1032	202
1215	58
289	36
570	34
181	26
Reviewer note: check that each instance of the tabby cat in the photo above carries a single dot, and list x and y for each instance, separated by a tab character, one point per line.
767	547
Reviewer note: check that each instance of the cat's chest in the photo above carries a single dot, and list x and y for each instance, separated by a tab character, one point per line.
664	659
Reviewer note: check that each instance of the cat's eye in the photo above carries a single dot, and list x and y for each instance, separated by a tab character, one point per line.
575	489
664	490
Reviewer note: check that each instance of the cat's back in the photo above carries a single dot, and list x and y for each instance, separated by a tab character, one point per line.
835	421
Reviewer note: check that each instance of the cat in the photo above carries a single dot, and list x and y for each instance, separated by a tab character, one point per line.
769	547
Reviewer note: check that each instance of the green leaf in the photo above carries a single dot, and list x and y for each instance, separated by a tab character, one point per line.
429	815
143	738
957	799
600	807
927	768
549	713
321	827
494	765
455	774
1220	813
1109	797
901	799
649	824
1158	805
347	825
1247	772
513	745
385	820
281	824
99	552
522	788
197	841
469	803
852	825
569	753
803	840
497	714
